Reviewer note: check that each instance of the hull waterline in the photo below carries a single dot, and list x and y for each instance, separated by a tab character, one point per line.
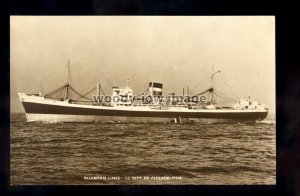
78	113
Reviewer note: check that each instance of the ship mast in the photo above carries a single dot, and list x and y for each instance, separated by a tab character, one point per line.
65	92
212	82
68	82
98	89
69	73
127	82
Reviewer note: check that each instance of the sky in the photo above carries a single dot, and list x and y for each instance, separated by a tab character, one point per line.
178	51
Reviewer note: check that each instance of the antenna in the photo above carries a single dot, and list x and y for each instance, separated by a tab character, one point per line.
69	73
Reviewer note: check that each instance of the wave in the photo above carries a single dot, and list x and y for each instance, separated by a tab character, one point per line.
267	121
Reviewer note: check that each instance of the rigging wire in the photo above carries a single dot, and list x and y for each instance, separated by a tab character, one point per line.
108	81
226	98
86	93
79	93
223	97
234	93
204	74
208	90
61	92
102	91
221	94
55	91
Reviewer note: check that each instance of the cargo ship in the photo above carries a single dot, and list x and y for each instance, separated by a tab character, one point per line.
61	105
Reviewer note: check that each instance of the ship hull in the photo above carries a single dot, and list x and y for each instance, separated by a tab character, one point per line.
39	111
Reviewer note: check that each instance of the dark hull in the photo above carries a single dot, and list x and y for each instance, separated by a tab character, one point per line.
38	108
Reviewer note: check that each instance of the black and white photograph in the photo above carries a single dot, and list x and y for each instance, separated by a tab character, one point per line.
142	100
